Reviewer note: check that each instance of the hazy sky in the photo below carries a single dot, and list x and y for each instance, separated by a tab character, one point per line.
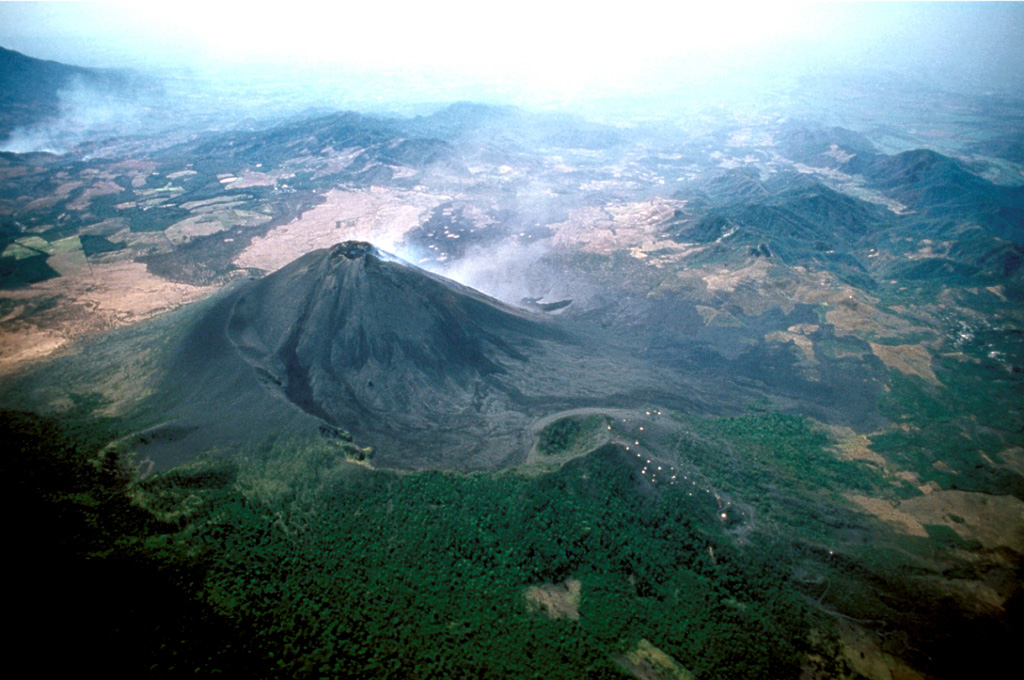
545	48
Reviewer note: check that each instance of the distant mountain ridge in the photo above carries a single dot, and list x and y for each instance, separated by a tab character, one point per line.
922	179
380	142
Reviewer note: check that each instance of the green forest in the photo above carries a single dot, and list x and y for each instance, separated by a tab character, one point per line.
298	562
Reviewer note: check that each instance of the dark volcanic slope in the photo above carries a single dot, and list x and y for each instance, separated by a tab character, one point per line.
354	331
431	373
428	372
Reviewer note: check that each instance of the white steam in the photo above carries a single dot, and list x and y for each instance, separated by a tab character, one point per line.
86	112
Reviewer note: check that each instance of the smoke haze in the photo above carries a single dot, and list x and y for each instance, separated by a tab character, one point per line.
567	55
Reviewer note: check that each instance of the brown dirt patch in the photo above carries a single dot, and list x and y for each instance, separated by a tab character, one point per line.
44	203
557	600
251	178
854	446
850	315
380	216
65	189
901	521
994	521
90	298
717	317
801	341
647	662
212	222
638	228
98	189
908	359
728	279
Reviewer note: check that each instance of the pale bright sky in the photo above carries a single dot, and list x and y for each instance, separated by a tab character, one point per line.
544	45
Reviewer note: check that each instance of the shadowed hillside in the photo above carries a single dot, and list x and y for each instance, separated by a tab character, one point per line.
30	89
